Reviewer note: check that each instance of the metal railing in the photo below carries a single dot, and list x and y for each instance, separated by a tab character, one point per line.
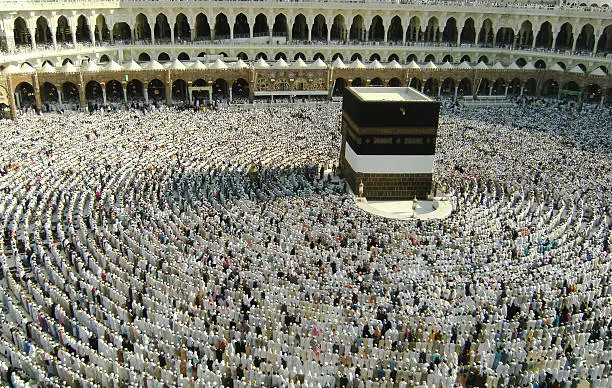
226	41
8	5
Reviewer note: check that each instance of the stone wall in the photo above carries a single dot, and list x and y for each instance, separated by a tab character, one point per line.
379	186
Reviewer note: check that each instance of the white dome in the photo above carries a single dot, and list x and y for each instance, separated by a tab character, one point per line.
357	64
338	64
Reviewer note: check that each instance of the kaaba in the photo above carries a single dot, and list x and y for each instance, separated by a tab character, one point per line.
389	142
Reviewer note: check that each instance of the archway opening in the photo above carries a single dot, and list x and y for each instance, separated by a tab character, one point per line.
156	90
70	93
280	27
162	30
261	26
82	30
339	86
182	29
222	27
202	28
220	90
114	92
179	91
240	89
135	90
300	28
93	92
241	27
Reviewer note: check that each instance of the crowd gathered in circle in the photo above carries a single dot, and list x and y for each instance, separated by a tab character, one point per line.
156	247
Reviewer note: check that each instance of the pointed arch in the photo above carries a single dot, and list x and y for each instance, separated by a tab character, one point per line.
101	31
179	91
432	32
604	45
525	38
396	31
142	30
93	92
376	32
565	37
241	27
448	87
357	31
49	93
504	37
339	86
468	33
586	39
202	28
162	29
413	32
114	92
82	31
464	88
144	57
122	32
42	34
156	90
280	27
319	28
222	27
485	36
21	32
182	29
62	32
300	28
260	28
450	33
544	39
70	93
338	29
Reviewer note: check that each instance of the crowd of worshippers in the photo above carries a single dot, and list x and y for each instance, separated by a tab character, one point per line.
161	248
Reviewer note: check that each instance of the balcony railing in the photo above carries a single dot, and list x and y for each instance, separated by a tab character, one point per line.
224	41
13	5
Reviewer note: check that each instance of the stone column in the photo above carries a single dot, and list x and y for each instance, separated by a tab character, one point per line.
82	99
506	92
32	38
189	94
10	39
169	93
596	36
59	95
230	93
145	93
37	99
152	33
92	33
11	97
490	90
73	34
124	88
456	90
104	93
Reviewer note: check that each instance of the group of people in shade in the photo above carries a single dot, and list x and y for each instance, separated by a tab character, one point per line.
159	248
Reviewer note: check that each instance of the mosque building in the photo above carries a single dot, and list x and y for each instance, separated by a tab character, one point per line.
115	51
